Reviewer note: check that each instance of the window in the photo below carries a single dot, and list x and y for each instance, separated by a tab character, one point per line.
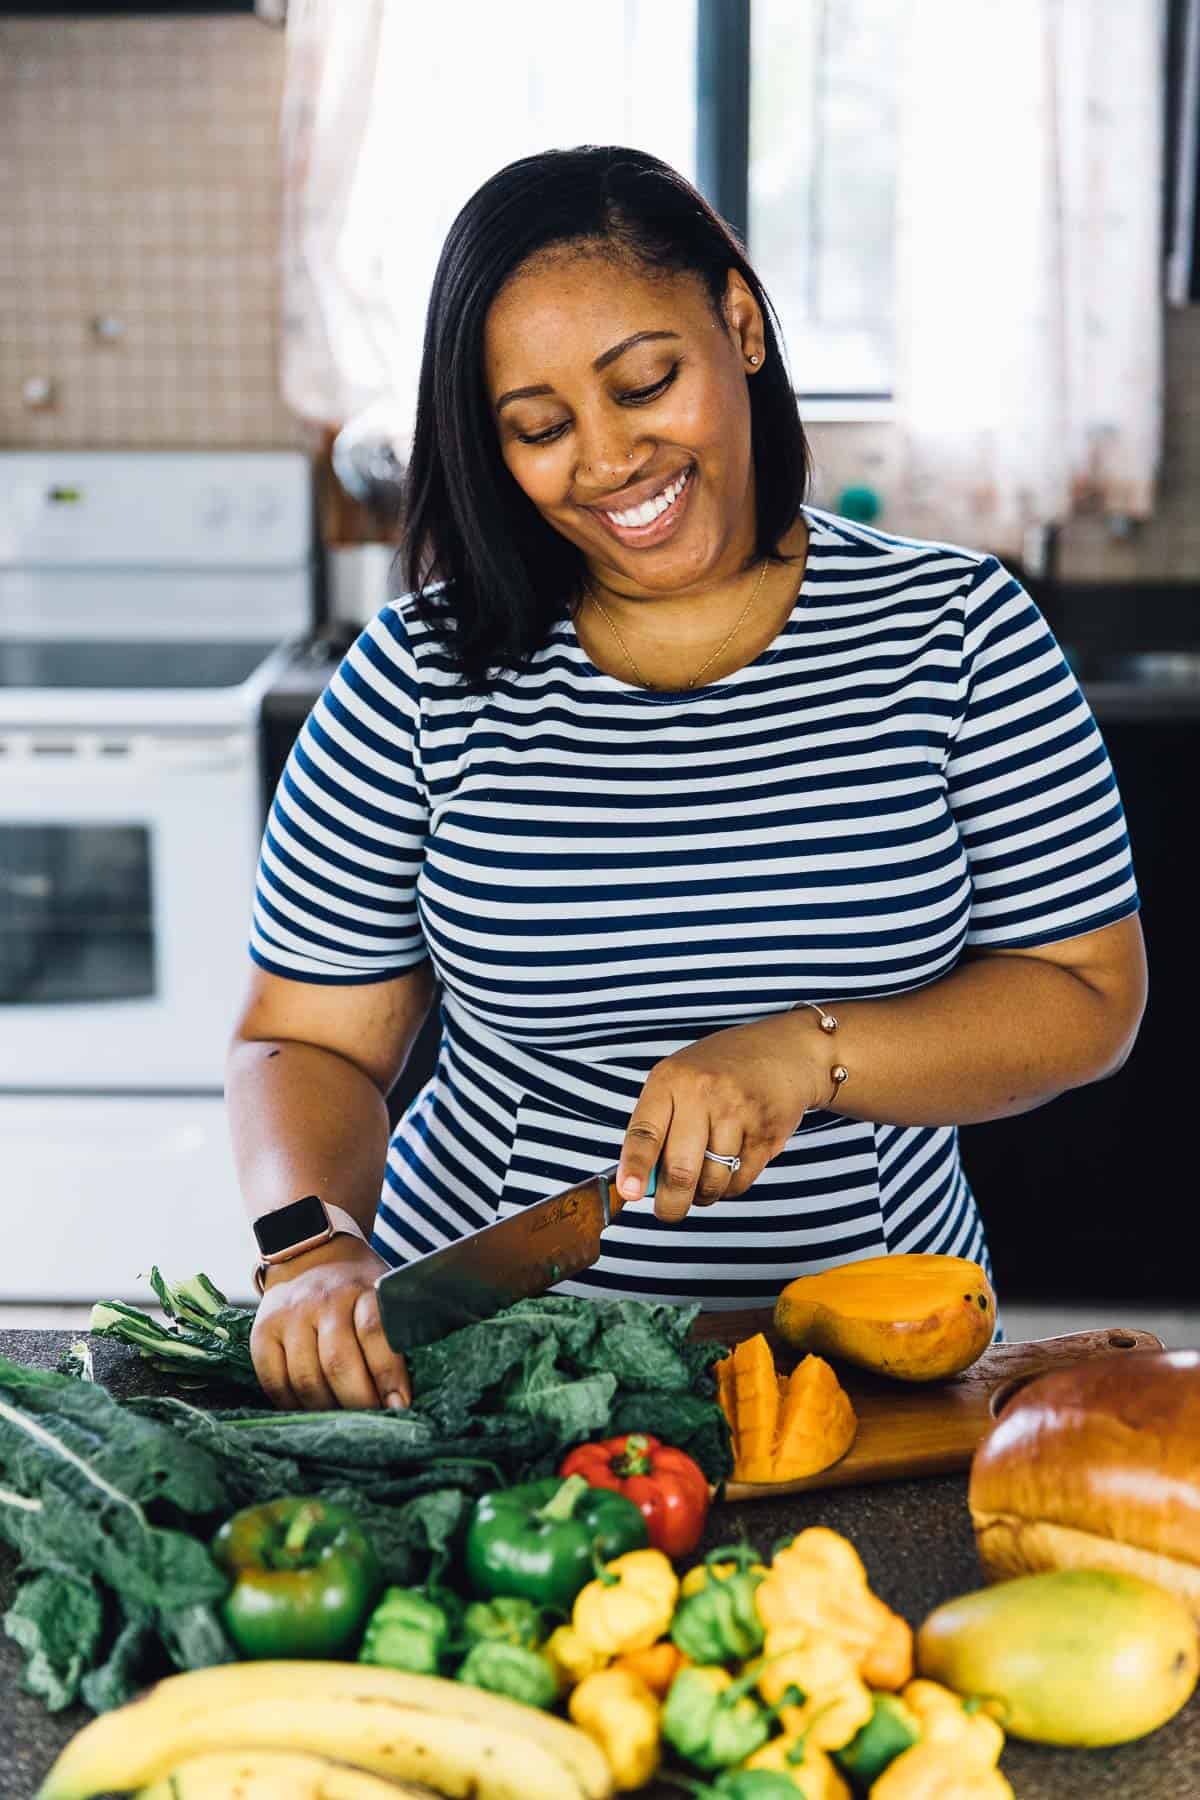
798	149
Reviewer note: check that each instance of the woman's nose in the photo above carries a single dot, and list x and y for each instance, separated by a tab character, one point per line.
606	458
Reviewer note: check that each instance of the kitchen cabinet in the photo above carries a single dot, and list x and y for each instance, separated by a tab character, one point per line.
1094	1195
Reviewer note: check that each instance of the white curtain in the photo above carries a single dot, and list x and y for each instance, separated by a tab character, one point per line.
1029	264
394	112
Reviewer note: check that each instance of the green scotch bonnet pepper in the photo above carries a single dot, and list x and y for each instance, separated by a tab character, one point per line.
720	1623
512	1670
541	1541
304	1576
411	1630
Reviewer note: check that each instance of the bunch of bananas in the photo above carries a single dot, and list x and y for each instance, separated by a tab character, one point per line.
326	1731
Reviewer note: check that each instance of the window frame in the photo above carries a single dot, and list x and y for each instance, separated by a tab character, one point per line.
723	163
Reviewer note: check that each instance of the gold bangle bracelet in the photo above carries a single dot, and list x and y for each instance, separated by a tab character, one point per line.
828	1023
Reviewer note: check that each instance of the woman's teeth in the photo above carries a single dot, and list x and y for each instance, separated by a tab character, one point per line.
650	509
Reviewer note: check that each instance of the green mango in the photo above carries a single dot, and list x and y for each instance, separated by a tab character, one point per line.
1075	1657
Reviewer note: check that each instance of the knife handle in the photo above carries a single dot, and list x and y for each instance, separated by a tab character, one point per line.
616	1198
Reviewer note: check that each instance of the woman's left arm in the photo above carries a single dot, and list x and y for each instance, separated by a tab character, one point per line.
1004	1032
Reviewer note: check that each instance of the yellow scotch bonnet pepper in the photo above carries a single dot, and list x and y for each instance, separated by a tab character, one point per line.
836	1703
937	1772
945	1719
618	1710
805	1763
630	1604
817	1587
571	1657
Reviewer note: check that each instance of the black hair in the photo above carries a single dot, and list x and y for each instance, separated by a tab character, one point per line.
509	576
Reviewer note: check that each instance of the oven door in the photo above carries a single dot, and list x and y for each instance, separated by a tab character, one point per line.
126	873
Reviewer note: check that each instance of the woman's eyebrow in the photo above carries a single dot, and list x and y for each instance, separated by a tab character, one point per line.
601	362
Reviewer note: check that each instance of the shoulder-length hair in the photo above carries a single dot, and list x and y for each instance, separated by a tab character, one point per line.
508	575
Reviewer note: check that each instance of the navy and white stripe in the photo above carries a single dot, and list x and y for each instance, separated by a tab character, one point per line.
601	875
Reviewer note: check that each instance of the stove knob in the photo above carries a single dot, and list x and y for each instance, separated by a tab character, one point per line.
266	507
214	509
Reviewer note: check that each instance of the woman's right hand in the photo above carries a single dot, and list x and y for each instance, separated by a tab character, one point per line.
318	1340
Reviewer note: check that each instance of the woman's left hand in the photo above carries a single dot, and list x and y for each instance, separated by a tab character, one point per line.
741	1092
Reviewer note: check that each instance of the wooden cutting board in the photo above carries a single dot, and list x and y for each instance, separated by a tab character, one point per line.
920	1428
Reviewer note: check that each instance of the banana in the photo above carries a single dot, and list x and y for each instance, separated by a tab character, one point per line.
274	1775
456	1739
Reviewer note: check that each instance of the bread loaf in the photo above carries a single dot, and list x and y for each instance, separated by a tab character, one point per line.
1096	1467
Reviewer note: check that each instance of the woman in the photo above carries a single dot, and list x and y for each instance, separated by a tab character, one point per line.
662	771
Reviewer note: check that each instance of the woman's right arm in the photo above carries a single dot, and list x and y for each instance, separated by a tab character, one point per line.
306	1082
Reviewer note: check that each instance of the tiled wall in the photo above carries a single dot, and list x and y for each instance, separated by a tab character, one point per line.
139	181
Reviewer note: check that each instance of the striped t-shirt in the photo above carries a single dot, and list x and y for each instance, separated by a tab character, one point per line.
602	874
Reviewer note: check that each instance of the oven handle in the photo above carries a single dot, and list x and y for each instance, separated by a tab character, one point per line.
27	756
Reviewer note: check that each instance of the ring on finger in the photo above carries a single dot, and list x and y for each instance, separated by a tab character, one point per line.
732	1163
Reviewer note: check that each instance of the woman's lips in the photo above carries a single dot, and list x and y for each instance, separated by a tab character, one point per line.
665	525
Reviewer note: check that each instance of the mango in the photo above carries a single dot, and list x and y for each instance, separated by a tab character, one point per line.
1080	1657
917	1318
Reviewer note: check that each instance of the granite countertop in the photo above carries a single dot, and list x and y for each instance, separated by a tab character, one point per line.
914	1537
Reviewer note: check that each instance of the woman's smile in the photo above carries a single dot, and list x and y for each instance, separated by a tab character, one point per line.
643	524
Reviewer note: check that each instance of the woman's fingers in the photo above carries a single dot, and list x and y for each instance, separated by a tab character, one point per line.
643	1140
312	1390
715	1177
681	1164
270	1365
343	1364
388	1371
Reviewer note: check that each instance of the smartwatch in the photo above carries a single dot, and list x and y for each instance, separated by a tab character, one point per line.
291	1230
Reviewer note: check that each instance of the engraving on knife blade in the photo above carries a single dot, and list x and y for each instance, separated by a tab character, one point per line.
567	1207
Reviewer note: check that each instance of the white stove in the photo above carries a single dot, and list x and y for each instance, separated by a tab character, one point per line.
147	602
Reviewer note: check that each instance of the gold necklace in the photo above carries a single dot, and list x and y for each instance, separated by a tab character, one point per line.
603	611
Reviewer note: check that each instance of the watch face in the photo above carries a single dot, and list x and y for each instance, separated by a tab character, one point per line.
294	1224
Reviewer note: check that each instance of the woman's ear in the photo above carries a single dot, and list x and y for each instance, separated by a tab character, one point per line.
743	316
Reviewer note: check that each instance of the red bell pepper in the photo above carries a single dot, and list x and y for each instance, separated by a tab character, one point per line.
667	1487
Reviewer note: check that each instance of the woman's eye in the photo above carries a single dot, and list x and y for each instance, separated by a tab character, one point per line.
542	437
638	396
631	397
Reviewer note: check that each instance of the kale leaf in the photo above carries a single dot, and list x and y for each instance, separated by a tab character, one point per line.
57	1621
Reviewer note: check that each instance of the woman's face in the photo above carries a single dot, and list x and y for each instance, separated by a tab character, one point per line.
622	411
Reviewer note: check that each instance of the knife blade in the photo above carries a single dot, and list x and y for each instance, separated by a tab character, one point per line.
477	1276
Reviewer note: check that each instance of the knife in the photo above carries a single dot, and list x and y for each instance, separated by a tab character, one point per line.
478	1275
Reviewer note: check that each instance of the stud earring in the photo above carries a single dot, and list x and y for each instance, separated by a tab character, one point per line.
753	361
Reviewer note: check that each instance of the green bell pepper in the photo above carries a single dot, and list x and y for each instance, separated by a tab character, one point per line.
304	1575
720	1623
713	1721
541	1541
891	1728
409	1629
512	1670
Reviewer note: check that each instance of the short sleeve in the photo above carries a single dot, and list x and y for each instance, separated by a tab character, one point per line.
1030	783
335	898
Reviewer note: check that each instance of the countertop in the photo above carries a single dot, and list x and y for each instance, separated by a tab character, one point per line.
914	1537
